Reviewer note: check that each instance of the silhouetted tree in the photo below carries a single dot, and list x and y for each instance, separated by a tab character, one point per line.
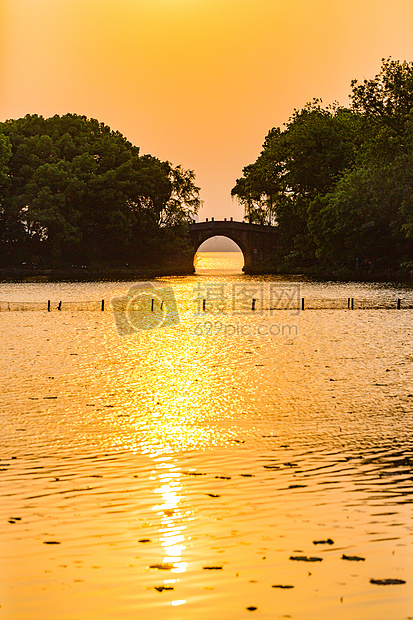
71	189
338	182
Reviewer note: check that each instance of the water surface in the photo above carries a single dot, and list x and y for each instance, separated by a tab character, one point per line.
174	473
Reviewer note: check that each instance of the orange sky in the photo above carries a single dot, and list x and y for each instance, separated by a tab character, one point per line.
197	82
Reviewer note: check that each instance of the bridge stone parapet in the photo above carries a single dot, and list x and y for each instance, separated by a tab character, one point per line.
256	241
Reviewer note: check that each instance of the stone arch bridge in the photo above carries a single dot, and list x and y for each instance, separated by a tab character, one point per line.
255	240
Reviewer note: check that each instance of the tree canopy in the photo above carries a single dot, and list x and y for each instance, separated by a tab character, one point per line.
338	182
73	190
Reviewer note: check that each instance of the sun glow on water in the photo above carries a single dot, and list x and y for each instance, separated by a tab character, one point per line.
216	263
172	520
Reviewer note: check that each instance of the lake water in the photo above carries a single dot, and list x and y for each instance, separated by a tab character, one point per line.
176	472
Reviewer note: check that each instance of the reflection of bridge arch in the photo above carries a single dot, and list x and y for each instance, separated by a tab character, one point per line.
254	240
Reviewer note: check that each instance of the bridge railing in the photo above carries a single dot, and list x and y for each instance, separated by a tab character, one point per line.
230	221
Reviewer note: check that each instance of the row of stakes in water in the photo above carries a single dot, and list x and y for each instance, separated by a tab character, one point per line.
350	304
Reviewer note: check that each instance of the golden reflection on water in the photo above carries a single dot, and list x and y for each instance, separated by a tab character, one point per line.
297	439
209	263
171	535
178	394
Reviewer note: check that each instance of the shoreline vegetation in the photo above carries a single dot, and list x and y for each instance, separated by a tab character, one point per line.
74	192
76	274
337	182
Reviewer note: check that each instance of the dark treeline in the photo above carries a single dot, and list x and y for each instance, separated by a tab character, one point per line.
338	182
74	192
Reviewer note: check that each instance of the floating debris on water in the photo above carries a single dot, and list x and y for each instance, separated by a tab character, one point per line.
164	566
283	587
328	541
51	542
297	486
352	558
387	582
212	567
252	608
144	540
304	558
162	588
212	495
193	473
168	512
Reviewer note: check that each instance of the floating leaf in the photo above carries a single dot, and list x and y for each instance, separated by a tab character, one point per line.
304	558
387	582
193	473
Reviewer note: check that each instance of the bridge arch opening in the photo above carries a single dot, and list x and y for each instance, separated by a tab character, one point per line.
219	253
256	241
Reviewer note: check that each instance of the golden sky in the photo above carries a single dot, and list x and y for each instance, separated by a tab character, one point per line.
196	82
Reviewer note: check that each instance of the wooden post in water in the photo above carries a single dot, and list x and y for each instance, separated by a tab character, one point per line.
302	303
103	305
203	305
59	307
152	305
398	304
48	305
352	303
253	305
348	303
